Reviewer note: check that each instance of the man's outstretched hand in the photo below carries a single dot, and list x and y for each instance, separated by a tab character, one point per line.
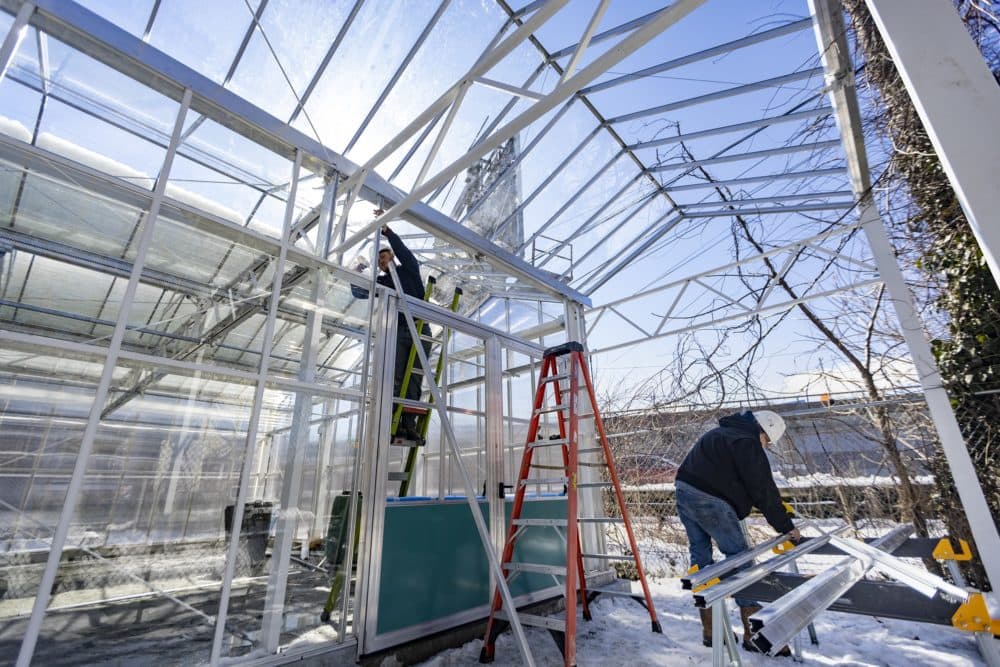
795	536
385	230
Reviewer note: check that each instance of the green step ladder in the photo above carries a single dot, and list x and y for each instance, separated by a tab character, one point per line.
405	477
337	529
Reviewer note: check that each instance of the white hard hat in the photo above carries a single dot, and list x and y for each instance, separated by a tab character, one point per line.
771	422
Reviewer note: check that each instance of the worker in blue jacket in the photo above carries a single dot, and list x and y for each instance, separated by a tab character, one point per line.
723	477
408	270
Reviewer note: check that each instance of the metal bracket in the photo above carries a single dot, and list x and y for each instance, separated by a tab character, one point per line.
944	550
973	616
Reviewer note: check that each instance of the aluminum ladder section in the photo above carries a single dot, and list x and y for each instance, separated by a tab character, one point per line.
567	408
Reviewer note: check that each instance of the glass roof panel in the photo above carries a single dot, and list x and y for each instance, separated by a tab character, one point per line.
203	35
71	214
376	44
131	16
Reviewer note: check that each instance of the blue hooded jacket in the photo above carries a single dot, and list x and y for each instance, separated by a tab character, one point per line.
729	463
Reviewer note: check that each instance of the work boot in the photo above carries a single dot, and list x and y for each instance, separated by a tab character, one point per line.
706	626
748	642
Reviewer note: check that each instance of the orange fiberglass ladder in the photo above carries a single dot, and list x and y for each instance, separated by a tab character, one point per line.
568	411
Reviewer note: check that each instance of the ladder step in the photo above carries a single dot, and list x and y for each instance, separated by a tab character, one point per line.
546	480
555	378
609	557
398	476
548	443
553	408
599	519
540	522
621	594
538	568
411	405
594	464
398	441
535	621
591	450
595	485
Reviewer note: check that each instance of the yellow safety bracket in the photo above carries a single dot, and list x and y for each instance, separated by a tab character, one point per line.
944	550
710	582
783	548
973	616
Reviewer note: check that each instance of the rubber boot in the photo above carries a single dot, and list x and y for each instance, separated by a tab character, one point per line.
748	643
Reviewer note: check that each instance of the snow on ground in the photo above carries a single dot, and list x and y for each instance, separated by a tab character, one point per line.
619	634
807	482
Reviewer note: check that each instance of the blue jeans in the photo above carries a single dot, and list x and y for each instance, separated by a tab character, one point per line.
706	518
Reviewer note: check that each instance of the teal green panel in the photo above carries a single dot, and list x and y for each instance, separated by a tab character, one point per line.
433	563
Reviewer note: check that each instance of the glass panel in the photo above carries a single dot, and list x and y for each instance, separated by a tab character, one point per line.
203	36
146	544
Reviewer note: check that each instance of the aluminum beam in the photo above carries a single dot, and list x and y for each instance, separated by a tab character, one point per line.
765	178
752	155
735	127
958	100
777	623
885	599
712	52
791	208
774	82
832	44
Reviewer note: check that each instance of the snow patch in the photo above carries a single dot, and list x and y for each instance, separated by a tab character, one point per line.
94	160
203	203
14	129
619	634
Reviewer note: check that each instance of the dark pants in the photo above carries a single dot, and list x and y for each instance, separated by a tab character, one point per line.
408	421
706	518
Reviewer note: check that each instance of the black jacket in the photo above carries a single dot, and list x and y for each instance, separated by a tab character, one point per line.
408	272
729	462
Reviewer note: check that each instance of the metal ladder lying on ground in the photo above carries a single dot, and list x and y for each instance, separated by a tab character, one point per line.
405	477
567	408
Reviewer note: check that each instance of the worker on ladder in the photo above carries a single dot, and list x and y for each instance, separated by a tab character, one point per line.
722	478
408	270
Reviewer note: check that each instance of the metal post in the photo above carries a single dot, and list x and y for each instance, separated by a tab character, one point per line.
100	396
832	44
493	386
254	419
298	440
14	36
957	98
